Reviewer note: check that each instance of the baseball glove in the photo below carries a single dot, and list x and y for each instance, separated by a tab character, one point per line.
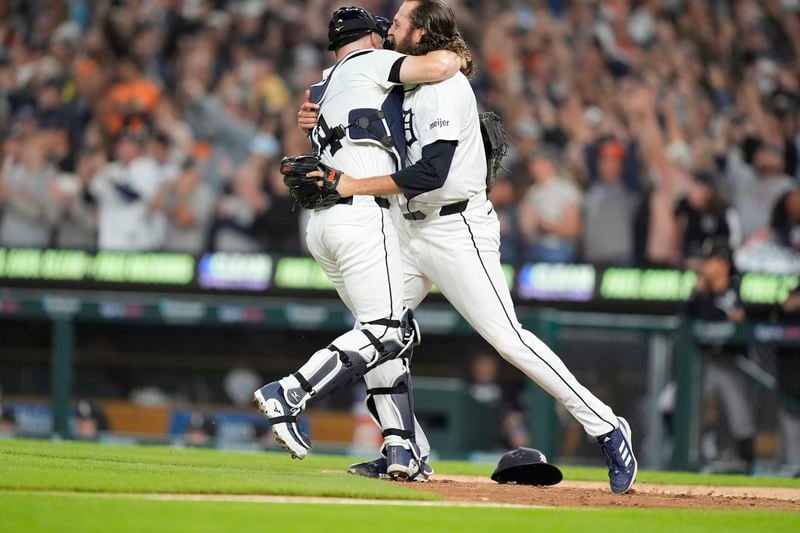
306	190
495	144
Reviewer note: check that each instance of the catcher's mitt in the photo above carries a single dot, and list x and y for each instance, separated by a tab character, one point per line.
306	190
495	144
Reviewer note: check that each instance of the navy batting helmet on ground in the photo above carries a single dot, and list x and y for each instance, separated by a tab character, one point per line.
350	23
526	466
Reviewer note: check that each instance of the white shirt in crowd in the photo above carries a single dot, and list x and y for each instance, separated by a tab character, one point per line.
126	223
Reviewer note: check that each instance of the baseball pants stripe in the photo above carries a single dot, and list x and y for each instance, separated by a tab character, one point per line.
460	254
516	327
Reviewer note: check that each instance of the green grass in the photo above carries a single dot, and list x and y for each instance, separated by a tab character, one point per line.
81	487
26	512
86	467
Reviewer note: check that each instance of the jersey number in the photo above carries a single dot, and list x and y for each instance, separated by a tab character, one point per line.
321	138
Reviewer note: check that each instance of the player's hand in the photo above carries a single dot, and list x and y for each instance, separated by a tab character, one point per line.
345	188
308	115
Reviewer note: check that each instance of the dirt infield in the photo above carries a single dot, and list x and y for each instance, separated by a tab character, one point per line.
468	491
594	494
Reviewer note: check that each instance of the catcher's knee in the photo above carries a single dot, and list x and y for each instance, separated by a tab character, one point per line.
398	339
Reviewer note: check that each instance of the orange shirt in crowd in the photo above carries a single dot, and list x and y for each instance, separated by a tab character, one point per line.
126	98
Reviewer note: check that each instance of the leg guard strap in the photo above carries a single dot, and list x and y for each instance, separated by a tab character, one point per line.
379	346
281	419
402	388
385	322
305	385
403	434
343	357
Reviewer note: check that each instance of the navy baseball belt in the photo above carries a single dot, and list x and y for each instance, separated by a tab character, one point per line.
449	209
382	202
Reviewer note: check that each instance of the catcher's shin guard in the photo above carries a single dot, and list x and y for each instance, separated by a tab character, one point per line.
343	362
392	408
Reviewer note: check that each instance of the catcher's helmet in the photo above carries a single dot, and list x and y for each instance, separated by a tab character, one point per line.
350	23
526	466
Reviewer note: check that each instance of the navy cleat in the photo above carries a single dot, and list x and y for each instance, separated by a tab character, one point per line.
283	418
378	469
622	465
374	469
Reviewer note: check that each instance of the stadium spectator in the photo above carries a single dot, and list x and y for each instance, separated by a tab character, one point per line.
609	208
188	204
131	102
200	431
28	209
785	222
549	215
280	225
222	124
756	188
238	213
775	249
703	216
90	420
509	431
714	299
656	224
788	375
504	199
159	148
8	422
77	226
123	190
64	121
266	145
168	119
679	86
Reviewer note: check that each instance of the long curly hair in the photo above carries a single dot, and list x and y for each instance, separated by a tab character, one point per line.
441	31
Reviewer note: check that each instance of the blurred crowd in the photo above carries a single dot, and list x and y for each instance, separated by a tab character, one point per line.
641	129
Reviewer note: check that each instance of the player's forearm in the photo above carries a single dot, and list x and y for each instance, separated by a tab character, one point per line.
375	186
434	66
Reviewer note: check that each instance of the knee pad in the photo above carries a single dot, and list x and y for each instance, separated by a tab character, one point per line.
401	337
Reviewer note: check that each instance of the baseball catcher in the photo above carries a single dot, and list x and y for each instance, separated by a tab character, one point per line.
360	129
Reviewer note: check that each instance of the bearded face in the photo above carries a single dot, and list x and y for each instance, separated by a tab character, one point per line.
401	34
406	45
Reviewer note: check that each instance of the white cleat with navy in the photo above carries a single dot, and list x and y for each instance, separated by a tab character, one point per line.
273	405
